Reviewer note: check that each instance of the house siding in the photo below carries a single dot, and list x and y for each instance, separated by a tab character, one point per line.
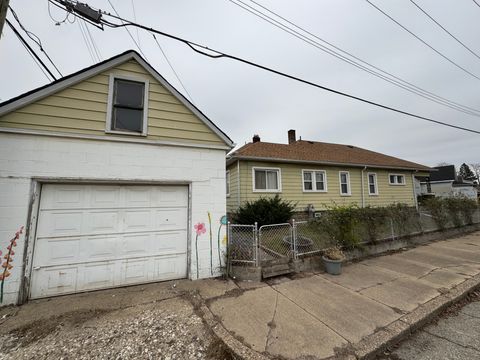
292	187
82	109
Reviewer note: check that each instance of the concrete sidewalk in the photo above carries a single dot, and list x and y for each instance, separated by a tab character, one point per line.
321	316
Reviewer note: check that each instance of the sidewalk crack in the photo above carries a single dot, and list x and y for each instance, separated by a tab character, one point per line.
271	325
451	341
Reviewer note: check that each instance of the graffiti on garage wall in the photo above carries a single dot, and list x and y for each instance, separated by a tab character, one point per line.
7	261
201	229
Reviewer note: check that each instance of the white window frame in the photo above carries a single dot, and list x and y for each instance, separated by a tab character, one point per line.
349	193
111	82
397	183
375	183
314	180
279	180
227	182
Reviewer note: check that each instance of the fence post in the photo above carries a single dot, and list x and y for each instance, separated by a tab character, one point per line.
256	245
294	238
392	228
227	260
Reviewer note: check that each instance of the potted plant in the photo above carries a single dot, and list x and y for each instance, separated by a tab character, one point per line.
333	258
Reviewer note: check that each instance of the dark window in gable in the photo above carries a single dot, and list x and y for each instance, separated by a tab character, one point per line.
128	105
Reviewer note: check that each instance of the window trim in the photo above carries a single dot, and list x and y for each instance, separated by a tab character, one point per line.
227	182
108	124
314	180
396	183
349	193
375	182
279	180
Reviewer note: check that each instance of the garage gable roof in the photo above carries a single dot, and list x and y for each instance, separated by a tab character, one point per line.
69	80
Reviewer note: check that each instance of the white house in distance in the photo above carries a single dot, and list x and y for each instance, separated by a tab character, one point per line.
444	182
110	170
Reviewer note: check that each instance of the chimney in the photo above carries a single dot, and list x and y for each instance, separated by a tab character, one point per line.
256	138
291	136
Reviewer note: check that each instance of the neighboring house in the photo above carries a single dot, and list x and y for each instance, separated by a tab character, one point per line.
444	182
314	175
109	169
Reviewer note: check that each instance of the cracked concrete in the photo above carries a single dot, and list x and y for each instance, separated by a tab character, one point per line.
319	316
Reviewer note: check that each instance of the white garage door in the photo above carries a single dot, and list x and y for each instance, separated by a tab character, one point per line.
96	236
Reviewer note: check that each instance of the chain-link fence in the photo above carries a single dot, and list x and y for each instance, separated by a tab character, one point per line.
242	244
304	238
275	241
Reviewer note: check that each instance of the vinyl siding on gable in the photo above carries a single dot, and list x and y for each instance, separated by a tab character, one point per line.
292	186
82	109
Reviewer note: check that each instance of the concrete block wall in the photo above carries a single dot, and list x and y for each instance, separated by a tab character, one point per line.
25	157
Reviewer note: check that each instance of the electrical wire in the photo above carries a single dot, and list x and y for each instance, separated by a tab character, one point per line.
365	62
135	19
390	78
94	44
172	68
85	40
423	41
444	29
476	3
216	54
128	31
30	50
34	38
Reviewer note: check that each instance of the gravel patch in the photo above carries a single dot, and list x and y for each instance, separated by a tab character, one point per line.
168	329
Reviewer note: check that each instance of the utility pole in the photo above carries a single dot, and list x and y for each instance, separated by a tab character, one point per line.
3	13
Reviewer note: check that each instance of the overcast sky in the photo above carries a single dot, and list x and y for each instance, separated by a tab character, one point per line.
244	101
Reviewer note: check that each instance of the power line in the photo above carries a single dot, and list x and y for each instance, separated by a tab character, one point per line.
365	62
476	3
171	67
94	45
216	54
35	39
128	31
444	29
423	41
135	19
85	40
28	47
384	75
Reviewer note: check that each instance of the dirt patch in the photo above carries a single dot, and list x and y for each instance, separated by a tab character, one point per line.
218	350
39	329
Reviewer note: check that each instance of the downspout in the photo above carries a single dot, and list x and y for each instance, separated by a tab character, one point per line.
238	183
363	187
413	187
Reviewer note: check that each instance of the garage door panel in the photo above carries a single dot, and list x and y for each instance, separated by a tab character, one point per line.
108	236
97	275
54	281
104	197
57	251
170	219
170	242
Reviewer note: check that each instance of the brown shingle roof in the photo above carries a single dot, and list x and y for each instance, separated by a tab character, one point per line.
313	151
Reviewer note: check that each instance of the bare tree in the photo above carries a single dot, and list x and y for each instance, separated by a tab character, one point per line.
476	170
443	163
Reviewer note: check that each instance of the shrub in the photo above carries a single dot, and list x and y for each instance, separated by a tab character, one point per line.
265	211
372	219
453	206
403	216
436	207
340	223
467	210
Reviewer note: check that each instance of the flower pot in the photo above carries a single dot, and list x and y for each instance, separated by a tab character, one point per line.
333	267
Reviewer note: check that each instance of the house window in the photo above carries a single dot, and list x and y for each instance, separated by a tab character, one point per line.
372	184
227	179
266	179
127	112
344	183
314	180
396	179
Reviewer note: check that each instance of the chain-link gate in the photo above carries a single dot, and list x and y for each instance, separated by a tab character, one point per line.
242	244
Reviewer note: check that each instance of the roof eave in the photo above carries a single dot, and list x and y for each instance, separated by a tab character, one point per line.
234	158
